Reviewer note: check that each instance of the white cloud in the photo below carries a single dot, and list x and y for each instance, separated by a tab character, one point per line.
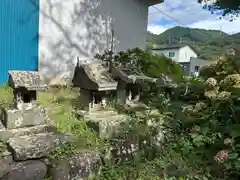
224	25
156	29
187	13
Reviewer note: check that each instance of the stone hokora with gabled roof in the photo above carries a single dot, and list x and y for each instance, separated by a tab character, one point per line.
93	76
30	80
25	85
128	91
95	83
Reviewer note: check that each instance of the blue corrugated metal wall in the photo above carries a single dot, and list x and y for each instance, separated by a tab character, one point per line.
19	22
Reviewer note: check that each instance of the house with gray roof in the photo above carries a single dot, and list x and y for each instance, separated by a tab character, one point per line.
176	52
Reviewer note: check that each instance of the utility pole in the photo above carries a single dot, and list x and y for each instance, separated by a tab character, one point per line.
170	40
111	51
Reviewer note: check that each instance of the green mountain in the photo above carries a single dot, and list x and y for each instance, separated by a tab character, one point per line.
207	43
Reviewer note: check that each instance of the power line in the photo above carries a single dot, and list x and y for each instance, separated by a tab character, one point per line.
168	15
176	20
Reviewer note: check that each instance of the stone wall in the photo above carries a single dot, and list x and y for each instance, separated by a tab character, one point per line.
26	141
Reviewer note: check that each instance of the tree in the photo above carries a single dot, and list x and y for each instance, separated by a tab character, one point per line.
228	7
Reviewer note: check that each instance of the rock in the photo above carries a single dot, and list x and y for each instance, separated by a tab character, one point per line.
104	113
36	146
124	149
19	118
6	134
79	166
4	167
28	170
107	126
7	156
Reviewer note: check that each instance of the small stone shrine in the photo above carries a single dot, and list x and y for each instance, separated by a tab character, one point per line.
95	83
128	90
25	85
166	84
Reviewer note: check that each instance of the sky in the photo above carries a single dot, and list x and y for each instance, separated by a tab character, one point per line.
188	13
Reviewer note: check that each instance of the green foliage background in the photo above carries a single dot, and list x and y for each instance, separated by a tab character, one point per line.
208	44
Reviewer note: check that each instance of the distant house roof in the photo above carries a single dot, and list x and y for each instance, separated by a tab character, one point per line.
170	46
27	79
173	46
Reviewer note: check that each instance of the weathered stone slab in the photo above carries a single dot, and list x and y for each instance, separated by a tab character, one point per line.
28	170
107	126
79	166
4	167
6	134
104	113
23	118
96	118
36	146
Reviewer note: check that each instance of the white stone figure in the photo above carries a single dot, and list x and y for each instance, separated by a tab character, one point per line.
104	102
20	105
30	106
93	100
137	97
19	102
130	96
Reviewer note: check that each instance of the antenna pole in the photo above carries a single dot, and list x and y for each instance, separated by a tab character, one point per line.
111	50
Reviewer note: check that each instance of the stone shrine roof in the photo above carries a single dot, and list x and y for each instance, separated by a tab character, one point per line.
166	81
130	76
28	79
93	76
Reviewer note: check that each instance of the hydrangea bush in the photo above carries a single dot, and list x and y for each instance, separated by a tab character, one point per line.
210	129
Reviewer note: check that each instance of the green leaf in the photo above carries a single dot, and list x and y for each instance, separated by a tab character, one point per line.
237	163
232	156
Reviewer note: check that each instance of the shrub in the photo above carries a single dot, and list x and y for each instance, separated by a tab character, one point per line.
144	62
209	132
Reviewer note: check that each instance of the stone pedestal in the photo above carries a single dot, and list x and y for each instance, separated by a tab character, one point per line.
121	93
85	99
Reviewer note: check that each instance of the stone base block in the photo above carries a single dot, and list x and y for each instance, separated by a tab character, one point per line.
79	166
13	119
36	146
106	126
6	134
28	170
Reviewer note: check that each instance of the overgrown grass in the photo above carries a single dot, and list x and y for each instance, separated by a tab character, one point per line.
6	97
61	103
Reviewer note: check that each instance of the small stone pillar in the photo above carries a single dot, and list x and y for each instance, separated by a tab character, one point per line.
86	99
121	93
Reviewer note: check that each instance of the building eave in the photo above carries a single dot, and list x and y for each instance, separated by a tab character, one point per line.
153	2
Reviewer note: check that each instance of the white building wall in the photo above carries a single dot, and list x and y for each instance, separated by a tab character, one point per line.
166	53
183	54
200	63
73	28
